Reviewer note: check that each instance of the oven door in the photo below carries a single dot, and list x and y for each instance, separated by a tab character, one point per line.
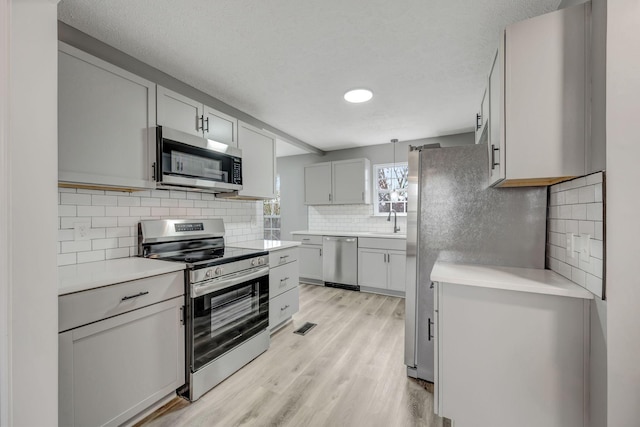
227	311
190	161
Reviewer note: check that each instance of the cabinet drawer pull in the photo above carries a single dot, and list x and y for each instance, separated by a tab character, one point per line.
283	280
306	239
135	296
284	257
284	308
493	156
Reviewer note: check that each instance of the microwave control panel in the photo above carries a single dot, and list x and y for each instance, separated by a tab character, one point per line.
236	175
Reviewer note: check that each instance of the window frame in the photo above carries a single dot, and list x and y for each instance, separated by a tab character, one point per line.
375	189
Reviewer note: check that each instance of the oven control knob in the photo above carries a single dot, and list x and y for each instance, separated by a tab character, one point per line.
208	273
260	261
253	262
219	271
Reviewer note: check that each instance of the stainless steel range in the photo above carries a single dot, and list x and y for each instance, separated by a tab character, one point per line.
227	302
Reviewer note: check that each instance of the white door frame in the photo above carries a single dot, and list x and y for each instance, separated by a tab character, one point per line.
5	220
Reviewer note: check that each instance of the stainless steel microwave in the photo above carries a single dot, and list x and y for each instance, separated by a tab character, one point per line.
190	162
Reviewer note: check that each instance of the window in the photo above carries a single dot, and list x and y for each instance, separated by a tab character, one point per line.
387	179
271	214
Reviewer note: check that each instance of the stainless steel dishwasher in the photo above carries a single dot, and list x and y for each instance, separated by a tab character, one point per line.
340	262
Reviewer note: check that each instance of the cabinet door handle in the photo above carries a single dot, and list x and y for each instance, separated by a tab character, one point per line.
430	335
321	252
329	196
207	122
478	121
384	257
363	196
199	123
135	296
493	157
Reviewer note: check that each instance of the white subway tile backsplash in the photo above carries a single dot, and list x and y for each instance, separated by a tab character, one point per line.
90	210
350	218
128	201
149	201
90	256
118	232
140	211
67	259
104	200
114	217
67	210
598	193
572	196
595	212
75	199
76	246
587	194
104	244
576	207
104	221
116	211
169	203
69	222
116	253
578	212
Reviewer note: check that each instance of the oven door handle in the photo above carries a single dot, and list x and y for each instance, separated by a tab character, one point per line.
227	281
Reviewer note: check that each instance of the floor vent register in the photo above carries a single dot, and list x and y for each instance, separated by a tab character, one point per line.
305	328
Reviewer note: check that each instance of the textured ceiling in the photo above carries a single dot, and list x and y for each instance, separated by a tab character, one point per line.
288	62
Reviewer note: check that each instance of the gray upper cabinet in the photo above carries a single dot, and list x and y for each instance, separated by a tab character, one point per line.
317	184
187	115
106	117
543	93
258	162
341	182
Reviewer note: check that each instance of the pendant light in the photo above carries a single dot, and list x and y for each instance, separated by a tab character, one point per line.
394	193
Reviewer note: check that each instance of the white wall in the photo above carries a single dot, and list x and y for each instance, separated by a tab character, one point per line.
33	154
623	205
294	214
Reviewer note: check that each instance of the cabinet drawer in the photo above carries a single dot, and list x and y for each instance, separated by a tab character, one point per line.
283	278
308	239
89	306
282	307
382	243
282	256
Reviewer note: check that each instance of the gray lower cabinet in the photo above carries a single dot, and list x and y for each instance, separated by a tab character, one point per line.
310	258
112	369
106	119
283	286
382	265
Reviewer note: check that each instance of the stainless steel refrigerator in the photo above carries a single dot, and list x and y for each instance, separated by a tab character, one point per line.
453	215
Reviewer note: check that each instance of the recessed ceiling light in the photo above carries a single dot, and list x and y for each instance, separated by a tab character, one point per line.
358	95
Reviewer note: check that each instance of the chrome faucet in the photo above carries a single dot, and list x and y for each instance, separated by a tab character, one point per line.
395	220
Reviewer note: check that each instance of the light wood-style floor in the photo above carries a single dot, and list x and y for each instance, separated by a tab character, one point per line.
347	371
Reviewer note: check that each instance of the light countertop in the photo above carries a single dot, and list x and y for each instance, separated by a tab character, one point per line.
81	277
532	280
265	245
352	234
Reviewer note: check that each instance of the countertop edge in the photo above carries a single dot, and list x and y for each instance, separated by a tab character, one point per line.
99	278
266	245
554	284
366	234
